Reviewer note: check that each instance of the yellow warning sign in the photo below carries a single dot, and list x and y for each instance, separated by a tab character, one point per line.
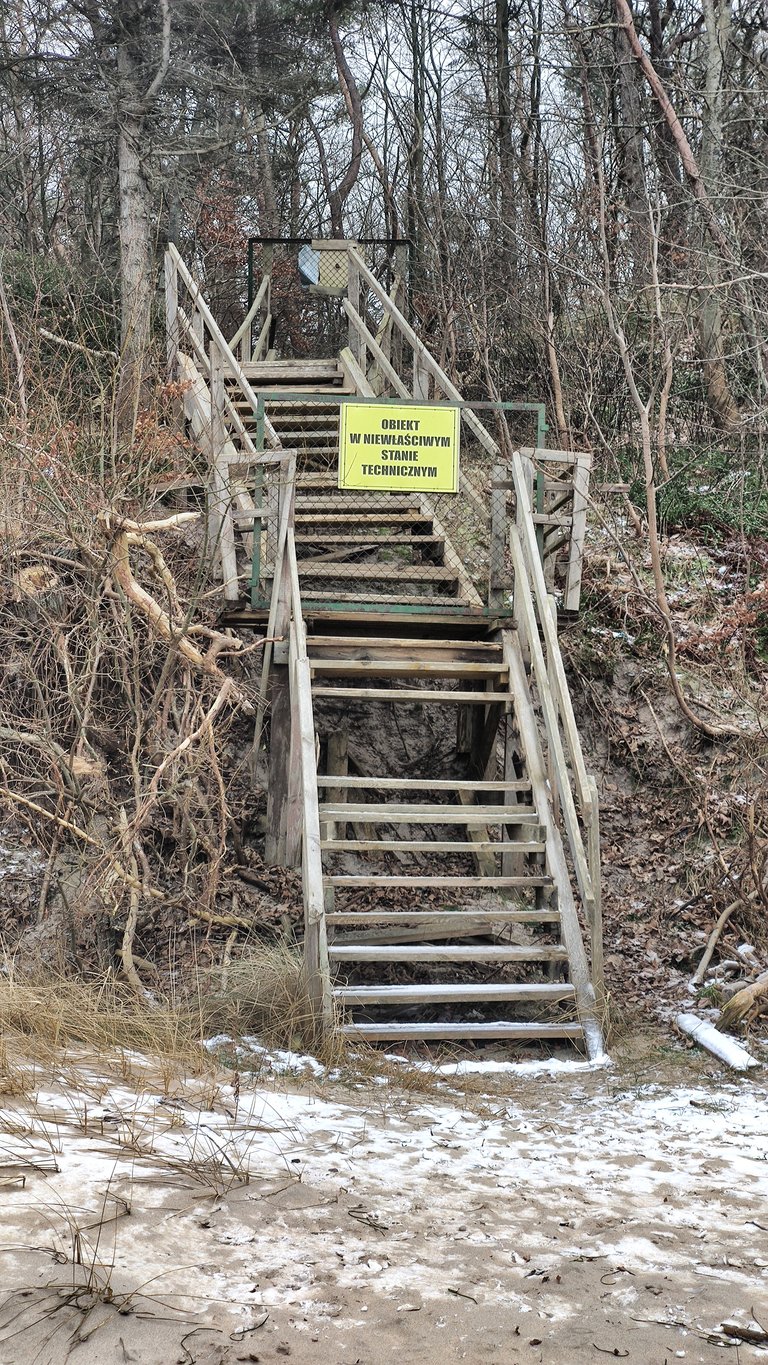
396	447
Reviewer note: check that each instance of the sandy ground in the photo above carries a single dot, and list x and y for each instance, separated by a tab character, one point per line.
582	1216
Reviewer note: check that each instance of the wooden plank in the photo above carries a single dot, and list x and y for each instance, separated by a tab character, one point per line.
350	996
294	811
512	863
596	926
171	316
572	593
459	917
434	846
337	763
221	529
510	1030
411	812
437	883
424	695
394	642
497	550
392	668
429	784
356	515
400	599
263	337
356	379
315	934
556	864
243	333
479	838
389	570
277	605
524	495
429	952
413	542
262	373
279	762
347	503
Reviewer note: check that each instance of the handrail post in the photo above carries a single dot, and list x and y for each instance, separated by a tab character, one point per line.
171	315
550	605
420	376
220	527
354	340
496	555
596	924
521	512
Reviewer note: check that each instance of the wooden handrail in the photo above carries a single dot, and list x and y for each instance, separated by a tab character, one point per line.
534	576
398	384
577	794
586	1001
216	334
551	724
427	359
303	736
250	315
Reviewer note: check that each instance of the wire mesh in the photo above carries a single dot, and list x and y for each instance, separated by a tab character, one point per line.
428	550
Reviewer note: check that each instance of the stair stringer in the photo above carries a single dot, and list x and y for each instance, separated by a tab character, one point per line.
556	865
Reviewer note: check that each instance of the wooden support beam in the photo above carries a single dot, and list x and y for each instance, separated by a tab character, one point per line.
279	769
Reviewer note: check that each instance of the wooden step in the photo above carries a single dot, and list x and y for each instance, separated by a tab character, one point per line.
321	365
430	952
369	597
415	994
391	642
394	668
431	846
301	435
423	784
424	695
512	1030
356	518
385	570
416	813
388	882
462	918
411	542
347	503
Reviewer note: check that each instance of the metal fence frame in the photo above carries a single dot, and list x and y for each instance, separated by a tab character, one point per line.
537	410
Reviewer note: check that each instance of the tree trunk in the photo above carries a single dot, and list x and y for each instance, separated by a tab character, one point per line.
722	404
136	274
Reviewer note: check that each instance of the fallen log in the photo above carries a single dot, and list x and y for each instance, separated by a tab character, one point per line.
721	1045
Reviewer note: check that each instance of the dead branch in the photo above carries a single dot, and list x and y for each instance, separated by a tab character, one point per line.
77	345
698	975
49	815
158	619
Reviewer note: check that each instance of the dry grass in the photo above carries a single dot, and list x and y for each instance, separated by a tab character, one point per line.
261	992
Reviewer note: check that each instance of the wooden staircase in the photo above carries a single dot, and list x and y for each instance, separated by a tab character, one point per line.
459	899
310	427
475	947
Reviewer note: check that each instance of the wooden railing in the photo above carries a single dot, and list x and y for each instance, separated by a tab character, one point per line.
302	824
241	343
197	325
214	382
573	790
